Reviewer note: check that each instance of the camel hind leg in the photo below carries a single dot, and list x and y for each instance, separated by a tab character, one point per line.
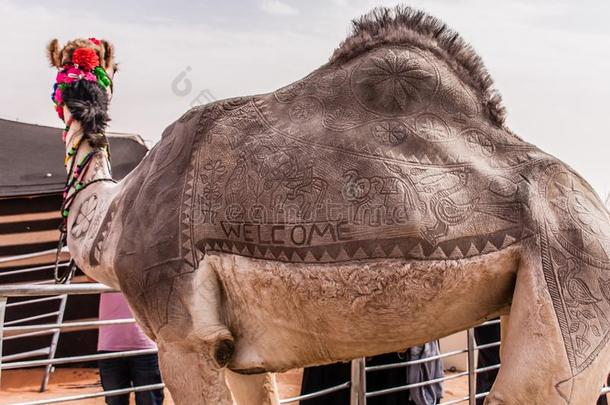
548	355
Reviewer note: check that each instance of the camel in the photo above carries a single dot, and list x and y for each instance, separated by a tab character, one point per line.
233	285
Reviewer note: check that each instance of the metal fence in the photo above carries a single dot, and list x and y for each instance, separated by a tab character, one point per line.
357	384
58	315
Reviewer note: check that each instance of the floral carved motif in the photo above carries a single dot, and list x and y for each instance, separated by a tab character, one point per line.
396	82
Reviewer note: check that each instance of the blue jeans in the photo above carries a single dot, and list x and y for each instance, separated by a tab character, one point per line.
129	372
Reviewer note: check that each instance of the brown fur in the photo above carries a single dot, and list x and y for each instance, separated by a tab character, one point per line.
53	53
107	55
404	25
59	56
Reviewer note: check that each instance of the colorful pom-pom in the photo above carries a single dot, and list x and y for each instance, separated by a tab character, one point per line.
85	66
85	58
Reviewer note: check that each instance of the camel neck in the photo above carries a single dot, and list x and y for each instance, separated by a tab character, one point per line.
81	159
88	193
85	165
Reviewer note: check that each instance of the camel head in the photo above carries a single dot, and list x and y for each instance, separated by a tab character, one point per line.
83	86
62	56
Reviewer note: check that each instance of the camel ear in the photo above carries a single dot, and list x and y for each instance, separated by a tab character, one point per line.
54	53
107	54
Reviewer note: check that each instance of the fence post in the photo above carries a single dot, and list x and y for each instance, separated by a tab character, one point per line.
2	311
358	382
54	341
472	368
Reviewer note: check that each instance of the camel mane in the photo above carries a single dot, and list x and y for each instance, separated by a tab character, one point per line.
403	25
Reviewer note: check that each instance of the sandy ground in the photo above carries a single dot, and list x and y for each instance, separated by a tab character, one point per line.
22	385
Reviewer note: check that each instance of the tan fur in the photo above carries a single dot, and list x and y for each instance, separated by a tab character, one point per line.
54	53
107	55
388	299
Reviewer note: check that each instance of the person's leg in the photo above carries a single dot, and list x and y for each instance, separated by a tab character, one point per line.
321	377
384	379
144	370
114	374
603	400
487	357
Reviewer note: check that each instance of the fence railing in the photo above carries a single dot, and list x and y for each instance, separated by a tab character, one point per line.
49	291
356	385
56	316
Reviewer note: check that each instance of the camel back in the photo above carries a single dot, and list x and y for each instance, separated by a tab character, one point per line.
387	155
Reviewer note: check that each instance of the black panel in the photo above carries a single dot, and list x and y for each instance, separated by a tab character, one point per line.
31	158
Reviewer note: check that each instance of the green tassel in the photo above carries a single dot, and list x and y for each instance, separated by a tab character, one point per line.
102	77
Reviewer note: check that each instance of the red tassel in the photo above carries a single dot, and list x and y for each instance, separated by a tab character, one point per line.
85	58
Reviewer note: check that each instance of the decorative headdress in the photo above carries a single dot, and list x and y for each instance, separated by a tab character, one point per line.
85	65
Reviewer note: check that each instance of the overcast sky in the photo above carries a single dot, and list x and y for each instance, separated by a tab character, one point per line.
549	58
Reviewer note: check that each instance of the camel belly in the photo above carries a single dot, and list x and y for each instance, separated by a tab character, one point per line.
286	315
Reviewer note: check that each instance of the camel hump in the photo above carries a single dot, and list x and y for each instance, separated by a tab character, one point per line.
407	27
395	81
398	81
